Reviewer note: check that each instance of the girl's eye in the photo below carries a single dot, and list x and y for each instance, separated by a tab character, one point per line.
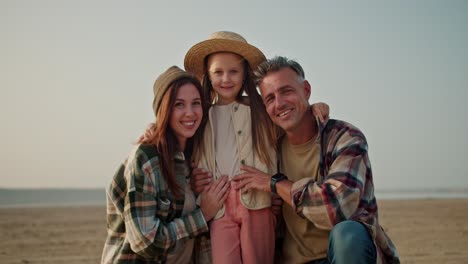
197	103
179	105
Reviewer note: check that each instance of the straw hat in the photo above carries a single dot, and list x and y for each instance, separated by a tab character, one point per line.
164	81
221	41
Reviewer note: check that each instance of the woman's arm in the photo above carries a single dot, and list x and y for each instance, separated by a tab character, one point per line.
149	233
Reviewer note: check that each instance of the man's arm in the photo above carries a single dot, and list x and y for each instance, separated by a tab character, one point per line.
338	196
332	200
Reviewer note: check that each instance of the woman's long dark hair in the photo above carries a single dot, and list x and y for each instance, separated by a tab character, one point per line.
164	138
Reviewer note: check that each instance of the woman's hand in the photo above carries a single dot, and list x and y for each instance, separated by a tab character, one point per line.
213	197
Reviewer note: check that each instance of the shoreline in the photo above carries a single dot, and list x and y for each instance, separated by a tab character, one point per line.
423	230
103	204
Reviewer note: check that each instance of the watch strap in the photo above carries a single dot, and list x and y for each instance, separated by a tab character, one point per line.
275	179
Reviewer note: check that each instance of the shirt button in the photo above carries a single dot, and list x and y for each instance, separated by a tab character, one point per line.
235	108
239	132
243	162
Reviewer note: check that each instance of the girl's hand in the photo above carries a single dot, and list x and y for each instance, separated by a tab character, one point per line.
276	203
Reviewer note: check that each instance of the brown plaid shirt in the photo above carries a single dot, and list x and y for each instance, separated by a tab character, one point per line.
345	188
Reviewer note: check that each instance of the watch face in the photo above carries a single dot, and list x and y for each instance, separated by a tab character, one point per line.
276	178
279	176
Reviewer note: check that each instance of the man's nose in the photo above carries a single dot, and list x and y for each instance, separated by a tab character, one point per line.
279	101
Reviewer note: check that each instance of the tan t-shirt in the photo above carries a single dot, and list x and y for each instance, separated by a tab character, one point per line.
303	241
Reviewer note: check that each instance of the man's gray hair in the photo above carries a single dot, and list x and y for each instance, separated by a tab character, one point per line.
275	64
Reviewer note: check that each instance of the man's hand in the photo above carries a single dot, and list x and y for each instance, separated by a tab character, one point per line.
148	134
256	179
252	179
321	111
200	179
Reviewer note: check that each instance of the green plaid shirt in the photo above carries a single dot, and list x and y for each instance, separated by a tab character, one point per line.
144	219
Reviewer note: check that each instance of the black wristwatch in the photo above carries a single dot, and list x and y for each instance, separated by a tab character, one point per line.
276	178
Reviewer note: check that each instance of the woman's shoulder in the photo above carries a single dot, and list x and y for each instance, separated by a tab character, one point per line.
149	149
142	153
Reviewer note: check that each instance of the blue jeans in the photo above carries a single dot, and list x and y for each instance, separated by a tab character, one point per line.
349	243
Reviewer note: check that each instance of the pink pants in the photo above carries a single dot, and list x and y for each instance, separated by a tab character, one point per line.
243	235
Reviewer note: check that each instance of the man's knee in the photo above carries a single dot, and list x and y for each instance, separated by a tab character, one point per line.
350	239
346	233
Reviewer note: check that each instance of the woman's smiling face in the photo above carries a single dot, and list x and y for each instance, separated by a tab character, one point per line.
186	113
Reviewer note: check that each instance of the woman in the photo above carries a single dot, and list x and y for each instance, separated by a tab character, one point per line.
152	216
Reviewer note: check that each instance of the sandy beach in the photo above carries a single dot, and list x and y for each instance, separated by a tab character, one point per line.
424	231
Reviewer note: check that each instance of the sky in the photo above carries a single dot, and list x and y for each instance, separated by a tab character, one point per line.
76	79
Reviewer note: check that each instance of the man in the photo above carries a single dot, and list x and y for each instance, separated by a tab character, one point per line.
324	177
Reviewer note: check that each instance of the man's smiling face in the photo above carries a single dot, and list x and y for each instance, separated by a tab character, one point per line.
285	96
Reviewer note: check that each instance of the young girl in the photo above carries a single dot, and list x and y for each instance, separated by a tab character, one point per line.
238	132
152	216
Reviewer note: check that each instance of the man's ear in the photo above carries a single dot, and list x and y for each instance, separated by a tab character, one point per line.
307	89
259	88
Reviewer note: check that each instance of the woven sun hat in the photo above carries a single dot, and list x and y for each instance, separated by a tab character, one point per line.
164	81
221	41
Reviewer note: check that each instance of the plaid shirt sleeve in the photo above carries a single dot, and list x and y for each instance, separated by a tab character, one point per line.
345	170
149	231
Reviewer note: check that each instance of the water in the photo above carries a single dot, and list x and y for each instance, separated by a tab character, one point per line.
77	197
51	197
395	194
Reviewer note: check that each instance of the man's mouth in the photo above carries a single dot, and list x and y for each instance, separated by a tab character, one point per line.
284	113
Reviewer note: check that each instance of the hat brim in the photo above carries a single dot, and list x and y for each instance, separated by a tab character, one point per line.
194	61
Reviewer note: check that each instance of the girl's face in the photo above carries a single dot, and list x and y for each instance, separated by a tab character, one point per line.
226	72
186	113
